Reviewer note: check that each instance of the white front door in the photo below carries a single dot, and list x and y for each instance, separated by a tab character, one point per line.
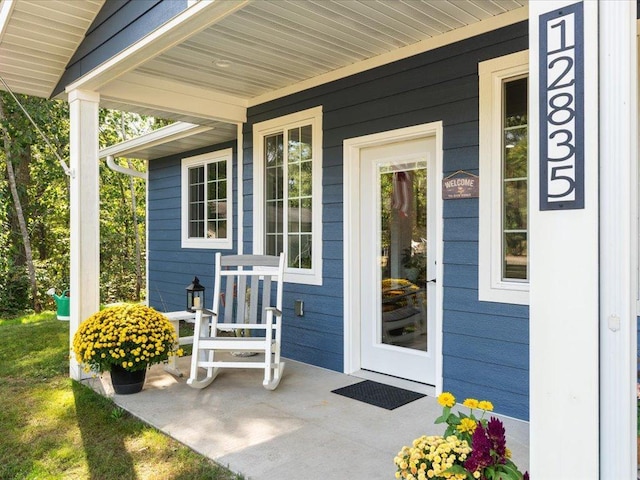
397	259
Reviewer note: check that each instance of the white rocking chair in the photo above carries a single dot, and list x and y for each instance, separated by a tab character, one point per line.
234	324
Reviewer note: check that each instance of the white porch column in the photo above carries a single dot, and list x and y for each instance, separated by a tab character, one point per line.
618	238
564	246
85	212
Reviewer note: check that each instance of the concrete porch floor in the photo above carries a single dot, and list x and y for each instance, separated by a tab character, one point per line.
300	430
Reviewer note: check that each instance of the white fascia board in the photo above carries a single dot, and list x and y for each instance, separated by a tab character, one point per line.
6	7
161	136
195	18
171	96
490	24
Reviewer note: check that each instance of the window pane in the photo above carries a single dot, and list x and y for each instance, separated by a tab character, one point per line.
515	205
293	249
515	255
294	180
273	150
305	215
305	139
515	180
294	146
294	216
306	179
515	152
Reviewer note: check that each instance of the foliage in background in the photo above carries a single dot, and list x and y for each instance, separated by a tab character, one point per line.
53	427
43	190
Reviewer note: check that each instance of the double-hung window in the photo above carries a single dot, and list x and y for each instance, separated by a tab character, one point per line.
503	243
207	213
287	193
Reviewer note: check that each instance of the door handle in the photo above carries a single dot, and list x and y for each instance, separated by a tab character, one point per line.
433	280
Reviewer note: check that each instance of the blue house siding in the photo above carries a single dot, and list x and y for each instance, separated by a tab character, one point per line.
171	268
485	344
119	24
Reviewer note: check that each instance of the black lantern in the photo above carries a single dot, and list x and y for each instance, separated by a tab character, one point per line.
195	295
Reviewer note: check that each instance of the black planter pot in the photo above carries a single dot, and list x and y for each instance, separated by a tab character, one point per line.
125	382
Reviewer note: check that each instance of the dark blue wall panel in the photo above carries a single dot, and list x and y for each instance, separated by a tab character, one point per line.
486	344
171	268
119	24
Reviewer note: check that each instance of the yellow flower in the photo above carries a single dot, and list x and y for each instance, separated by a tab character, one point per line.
485	405
446	399
466	426
471	403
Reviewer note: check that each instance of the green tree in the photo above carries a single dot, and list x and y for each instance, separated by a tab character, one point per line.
34	205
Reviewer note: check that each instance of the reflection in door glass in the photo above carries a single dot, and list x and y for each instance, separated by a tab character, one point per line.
403	260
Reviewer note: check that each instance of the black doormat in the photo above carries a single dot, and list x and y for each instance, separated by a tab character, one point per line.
379	394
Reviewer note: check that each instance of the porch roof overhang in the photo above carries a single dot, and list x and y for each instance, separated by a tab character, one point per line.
211	62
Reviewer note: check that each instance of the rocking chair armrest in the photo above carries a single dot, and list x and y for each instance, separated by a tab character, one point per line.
274	310
206	312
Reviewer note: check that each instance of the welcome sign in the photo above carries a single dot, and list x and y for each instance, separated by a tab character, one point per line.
460	185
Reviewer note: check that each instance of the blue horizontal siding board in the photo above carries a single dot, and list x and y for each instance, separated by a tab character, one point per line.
463	253
500	377
332	230
332	211
461	135
466	300
332	193
459	208
440	101
497	327
461	158
464	276
491	351
460	229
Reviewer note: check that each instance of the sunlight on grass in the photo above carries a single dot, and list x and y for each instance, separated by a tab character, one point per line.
56	428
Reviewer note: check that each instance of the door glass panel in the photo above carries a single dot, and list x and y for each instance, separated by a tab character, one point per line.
403	257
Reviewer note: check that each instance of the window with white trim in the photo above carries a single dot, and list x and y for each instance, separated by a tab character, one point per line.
503	242
207	207
288	193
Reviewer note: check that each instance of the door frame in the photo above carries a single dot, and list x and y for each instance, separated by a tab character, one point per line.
351	206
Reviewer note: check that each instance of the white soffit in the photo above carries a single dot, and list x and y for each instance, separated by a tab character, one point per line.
38	38
267	47
170	140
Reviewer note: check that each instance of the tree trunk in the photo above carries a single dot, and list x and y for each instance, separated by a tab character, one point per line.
26	242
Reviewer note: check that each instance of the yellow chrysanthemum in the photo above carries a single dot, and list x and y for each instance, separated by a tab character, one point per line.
446	399
119	335
485	405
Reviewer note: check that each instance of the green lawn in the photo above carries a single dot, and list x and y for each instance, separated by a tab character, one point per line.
56	428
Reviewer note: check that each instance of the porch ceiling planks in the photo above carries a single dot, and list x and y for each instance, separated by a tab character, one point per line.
38	39
273	45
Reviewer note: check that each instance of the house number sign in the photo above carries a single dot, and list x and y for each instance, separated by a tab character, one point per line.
562	109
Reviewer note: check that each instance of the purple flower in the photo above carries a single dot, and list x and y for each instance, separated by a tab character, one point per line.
480	456
495	432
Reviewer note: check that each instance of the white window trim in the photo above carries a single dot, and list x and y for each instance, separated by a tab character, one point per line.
312	116
491	286
225	155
